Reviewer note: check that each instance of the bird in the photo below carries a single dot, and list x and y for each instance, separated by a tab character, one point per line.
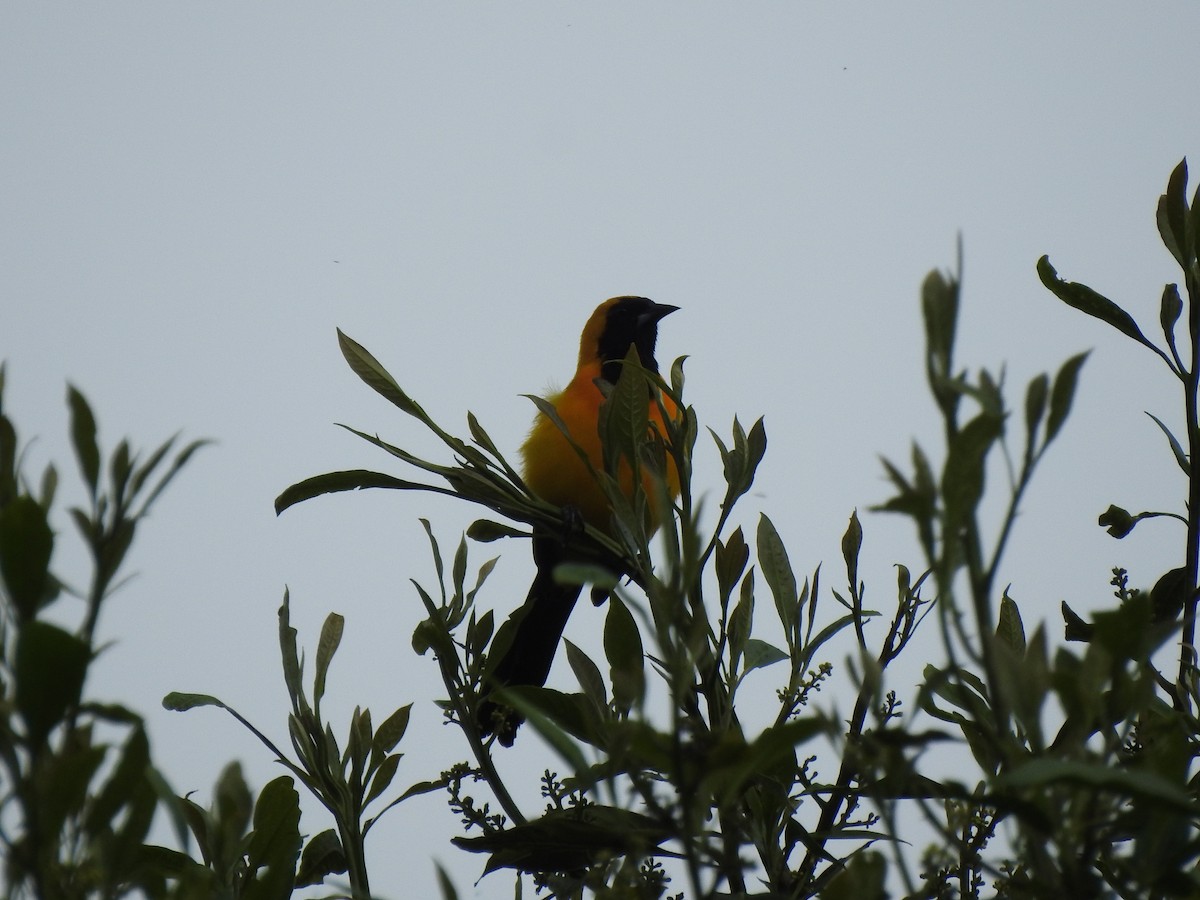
554	472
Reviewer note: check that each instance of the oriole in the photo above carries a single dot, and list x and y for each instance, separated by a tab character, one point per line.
555	473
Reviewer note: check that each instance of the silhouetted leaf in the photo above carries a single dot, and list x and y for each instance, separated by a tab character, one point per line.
1010	629
327	644
83	438
623	648
51	665
335	482
1084	299
323	855
1062	394
1118	521
777	570
1181	457
1172	216
26	544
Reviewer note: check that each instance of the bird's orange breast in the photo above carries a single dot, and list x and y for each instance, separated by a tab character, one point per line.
553	469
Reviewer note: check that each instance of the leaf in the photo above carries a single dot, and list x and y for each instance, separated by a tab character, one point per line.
118	790
1062	394
26	544
1035	407
1171	214
51	665
177	701
587	673
555	716
445	885
1040	773
275	842
485	531
1181	457
376	377
777	570
963	476
1086	300
323	855
1118	521
389	734
83	438
327	644
383	777
566	839
759	654
335	482
1168	313
730	560
1009	629
623	649
290	656
625	414
851	544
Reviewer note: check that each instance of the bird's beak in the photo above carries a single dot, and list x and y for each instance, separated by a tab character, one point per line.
656	314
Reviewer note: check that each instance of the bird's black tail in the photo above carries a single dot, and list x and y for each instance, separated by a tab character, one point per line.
539	628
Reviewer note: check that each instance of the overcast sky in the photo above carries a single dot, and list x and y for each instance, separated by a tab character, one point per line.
195	195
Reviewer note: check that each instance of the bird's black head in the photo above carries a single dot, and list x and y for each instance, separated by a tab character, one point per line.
629	321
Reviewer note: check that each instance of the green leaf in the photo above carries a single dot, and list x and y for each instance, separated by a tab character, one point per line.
83	438
383	777
1168	313
567	839
623	648
555	716
1181	457
1035	408
1118	521
1037	774
939	306
740	623
335	482
290	656
376	377
587	673
26	544
485	531
625	415
730	560
445	885
327	644
1086	300
851	544
1009	629
177	701
776	568
51	665
963	477
1172	216
1062	394
323	855
118	791
862	878
759	654
275	842
389	734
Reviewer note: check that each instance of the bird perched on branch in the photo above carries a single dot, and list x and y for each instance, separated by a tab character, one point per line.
555	472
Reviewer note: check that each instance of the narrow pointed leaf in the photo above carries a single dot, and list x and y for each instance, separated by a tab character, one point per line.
83	437
1062	394
1177	450
1084	299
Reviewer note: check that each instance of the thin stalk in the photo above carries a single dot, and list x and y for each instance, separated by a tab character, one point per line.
1191	390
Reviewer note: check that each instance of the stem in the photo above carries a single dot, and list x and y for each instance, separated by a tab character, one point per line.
1191	388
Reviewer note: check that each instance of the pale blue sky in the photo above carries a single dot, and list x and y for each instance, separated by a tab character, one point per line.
195	195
